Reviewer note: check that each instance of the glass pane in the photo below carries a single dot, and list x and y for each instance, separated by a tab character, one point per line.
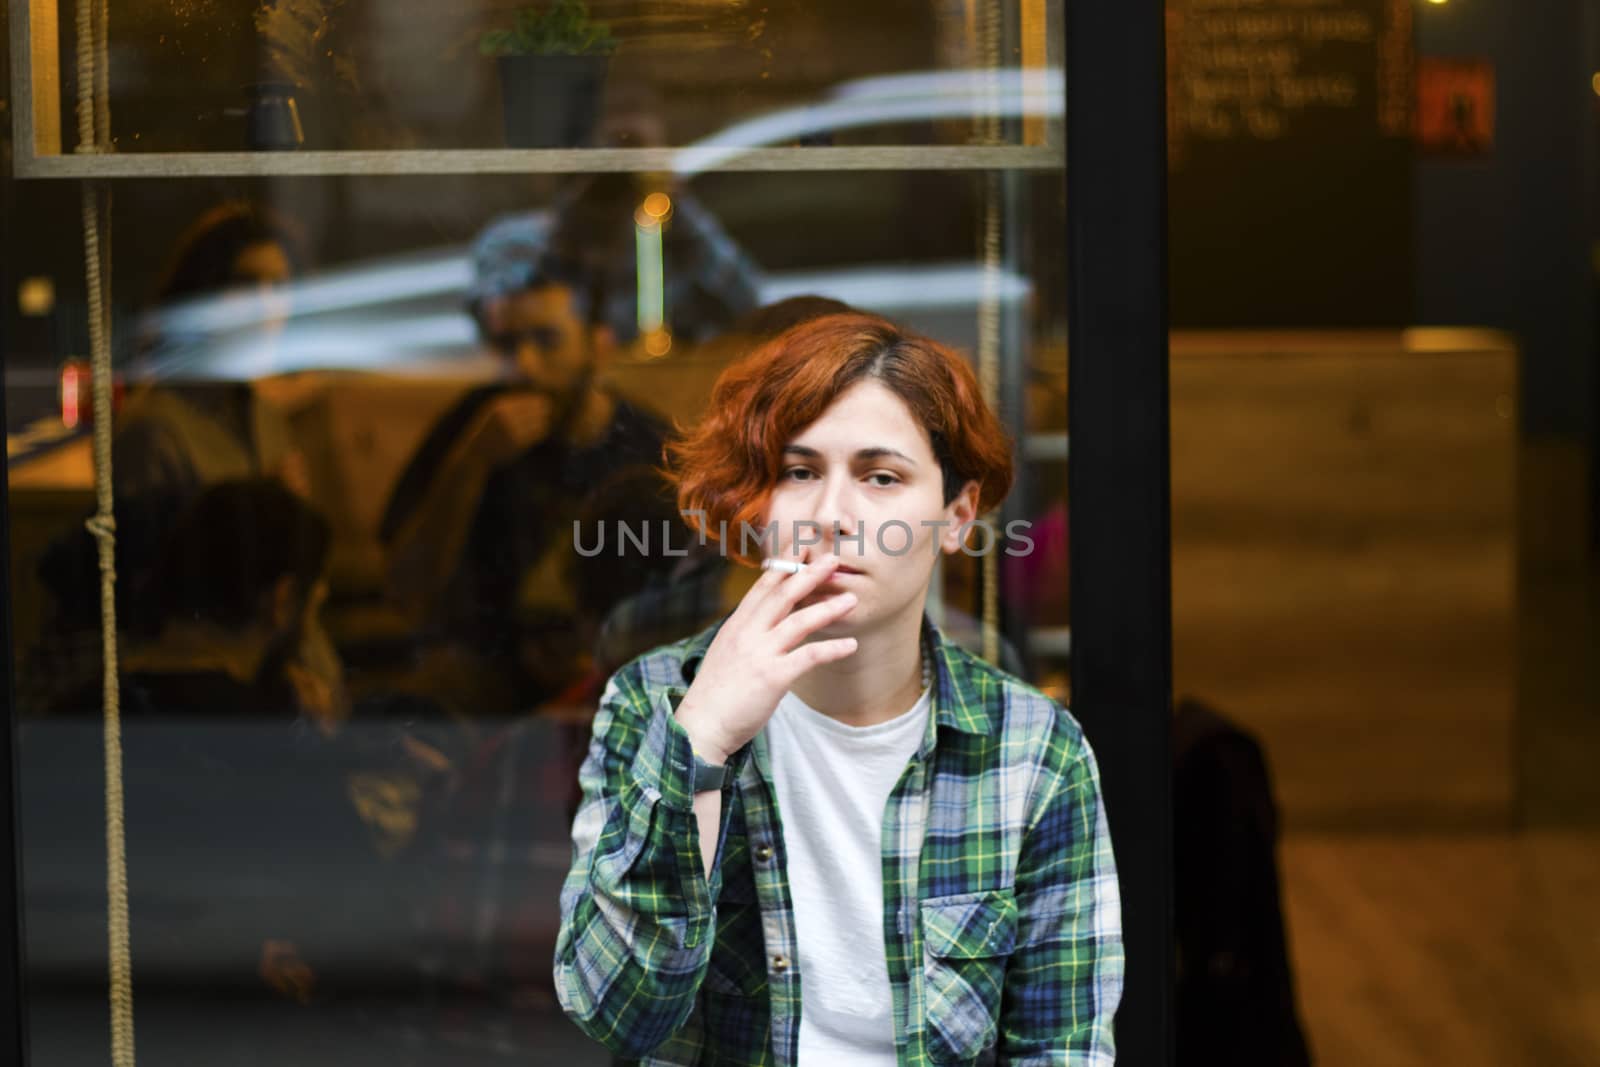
339	75
367	424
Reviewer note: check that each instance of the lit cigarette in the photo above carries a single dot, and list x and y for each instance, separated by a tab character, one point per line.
788	566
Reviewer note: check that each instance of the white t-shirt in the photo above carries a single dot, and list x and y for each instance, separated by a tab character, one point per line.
833	782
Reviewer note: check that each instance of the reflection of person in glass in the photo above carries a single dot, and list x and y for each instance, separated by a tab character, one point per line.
940	885
249	868
479	524
195	423
189	425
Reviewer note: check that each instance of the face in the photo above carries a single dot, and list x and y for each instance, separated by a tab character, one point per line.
540	334
262	272
264	263
868	465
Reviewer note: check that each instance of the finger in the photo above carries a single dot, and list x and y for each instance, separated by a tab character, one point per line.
750	604
763	589
803	623
796	587
817	653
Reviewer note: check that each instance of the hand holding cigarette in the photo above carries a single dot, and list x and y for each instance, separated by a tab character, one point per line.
759	653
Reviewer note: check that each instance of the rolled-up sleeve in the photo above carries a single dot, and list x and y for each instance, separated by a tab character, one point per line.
637	910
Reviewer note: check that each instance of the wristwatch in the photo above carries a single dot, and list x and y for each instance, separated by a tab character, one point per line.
708	776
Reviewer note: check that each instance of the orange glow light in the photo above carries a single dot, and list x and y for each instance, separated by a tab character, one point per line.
658	206
71	395
658	343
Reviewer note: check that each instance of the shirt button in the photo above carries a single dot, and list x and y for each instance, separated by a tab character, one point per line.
764	853
780	963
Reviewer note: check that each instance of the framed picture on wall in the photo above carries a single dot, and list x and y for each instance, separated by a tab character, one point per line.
1455	106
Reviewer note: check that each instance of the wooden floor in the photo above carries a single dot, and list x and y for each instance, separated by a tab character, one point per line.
1459	950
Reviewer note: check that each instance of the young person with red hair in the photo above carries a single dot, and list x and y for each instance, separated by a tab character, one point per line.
818	832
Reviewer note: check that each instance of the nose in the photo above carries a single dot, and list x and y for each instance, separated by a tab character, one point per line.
530	360
836	504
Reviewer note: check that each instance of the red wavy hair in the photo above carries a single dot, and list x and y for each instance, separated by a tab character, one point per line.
727	465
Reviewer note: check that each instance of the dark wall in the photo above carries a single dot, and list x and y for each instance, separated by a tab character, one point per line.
1289	152
1505	240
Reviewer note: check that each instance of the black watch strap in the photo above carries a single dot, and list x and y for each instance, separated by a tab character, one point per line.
708	776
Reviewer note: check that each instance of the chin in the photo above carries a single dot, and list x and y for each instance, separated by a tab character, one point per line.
852	623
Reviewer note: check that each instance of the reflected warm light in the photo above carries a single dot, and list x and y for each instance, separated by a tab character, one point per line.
36	297
72	386
657	207
657	343
1595	82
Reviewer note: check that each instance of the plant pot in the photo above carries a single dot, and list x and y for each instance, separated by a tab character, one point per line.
551	101
273	117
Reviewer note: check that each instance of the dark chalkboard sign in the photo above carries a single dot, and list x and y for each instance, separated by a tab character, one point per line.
1290	158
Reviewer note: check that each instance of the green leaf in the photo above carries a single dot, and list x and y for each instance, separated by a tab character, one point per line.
564	27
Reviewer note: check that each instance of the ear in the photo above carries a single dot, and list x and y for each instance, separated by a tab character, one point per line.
284	601
960	511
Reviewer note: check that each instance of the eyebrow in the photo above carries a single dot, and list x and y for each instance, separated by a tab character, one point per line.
878	452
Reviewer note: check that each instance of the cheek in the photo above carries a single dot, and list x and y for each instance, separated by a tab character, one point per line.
901	546
569	357
905	530
781	510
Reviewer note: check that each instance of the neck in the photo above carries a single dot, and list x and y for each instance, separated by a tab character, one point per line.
879	681
595	409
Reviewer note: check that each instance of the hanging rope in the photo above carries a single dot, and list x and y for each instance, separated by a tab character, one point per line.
989	300
94	135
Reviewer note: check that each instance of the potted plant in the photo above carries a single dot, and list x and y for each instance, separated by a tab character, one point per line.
553	66
307	70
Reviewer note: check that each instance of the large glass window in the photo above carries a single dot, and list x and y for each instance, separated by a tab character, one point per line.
387	305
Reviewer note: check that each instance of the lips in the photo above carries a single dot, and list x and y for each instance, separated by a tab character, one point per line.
842	568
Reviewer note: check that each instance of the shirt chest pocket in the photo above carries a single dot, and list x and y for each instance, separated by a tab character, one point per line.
966	943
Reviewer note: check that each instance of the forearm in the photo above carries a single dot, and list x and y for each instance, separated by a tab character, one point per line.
708	816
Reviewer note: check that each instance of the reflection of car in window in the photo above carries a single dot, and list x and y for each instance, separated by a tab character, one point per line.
839	234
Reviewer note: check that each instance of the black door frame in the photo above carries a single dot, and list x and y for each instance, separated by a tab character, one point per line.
13	1019
1119	554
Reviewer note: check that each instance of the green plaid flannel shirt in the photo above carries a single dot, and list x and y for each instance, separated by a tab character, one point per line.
1001	912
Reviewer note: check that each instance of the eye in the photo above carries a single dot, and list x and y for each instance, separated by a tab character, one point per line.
796	470
893	479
